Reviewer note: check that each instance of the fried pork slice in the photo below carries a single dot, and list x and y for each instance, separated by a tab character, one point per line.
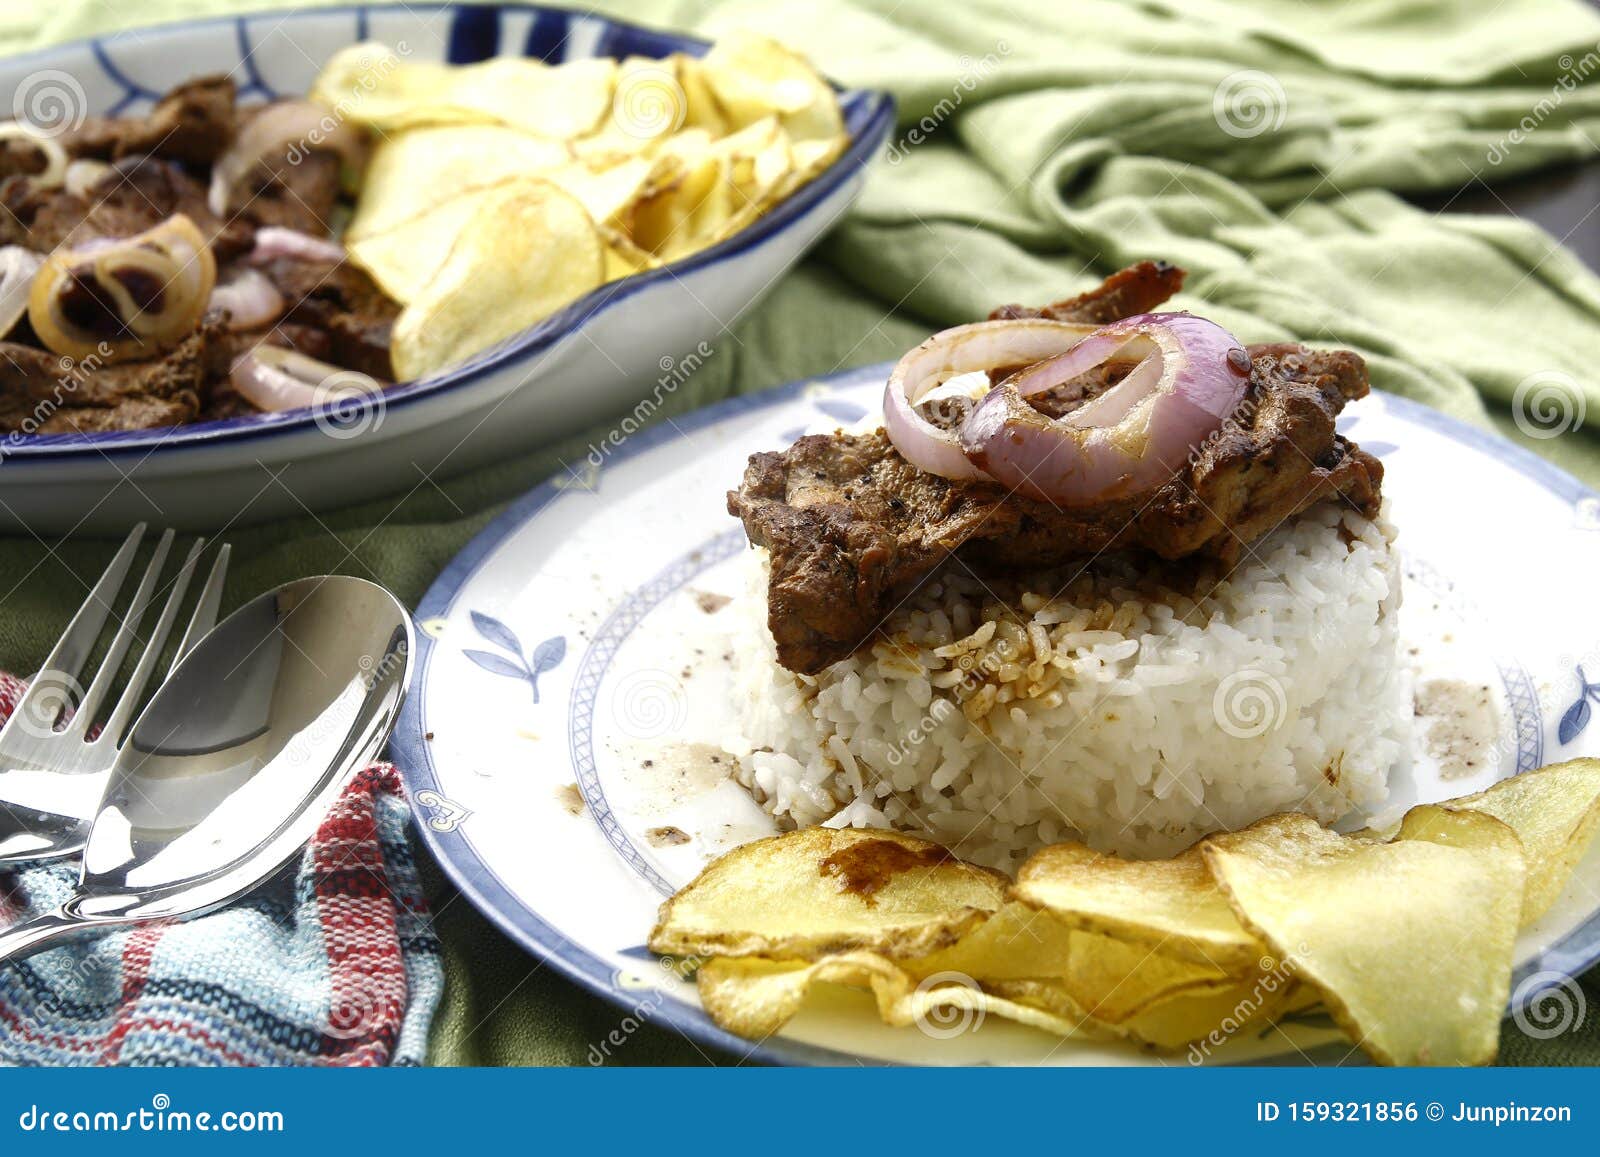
1134	290
851	527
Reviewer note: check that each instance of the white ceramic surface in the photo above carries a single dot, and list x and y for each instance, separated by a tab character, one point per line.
568	645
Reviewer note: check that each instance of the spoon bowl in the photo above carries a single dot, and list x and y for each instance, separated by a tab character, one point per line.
235	762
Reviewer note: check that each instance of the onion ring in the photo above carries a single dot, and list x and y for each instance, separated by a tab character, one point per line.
274	379
1190	375
274	241
18	267
275	134
250	299
964	349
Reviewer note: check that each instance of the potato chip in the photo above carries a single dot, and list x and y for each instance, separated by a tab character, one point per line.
1113	979
1100	975
1171	1023
755	998
667	156
1213	1018
370	84
819	891
1555	812
609	194
1174	903
753	77
668	220
419	170
1014	943
701	110
523	254
1409	942
558	102
404	259
624	258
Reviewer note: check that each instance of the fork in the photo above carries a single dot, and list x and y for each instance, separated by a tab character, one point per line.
53	773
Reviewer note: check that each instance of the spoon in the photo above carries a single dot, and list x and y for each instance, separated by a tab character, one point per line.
236	760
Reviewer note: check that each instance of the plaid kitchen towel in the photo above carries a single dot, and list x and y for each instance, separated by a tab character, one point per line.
333	963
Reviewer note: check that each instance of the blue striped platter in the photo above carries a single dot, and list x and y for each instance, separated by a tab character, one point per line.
598	356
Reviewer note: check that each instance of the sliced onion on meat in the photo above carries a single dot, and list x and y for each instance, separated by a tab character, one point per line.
275	135
273	378
18	267
966	349
274	241
126	297
250	299
83	175
54	153
1188	375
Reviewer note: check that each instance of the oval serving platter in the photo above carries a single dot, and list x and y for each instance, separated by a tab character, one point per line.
580	363
562	743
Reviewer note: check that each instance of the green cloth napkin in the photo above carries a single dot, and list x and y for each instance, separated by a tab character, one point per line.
1257	142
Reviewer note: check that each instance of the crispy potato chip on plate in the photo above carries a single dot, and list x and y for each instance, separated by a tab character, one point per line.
819	891
374	86
524	253
752	77
1555	812
420	169
755	997
1174	903
1408	942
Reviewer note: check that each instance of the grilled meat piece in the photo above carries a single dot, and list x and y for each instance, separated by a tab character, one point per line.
193	124
41	394
336	314
137	194
1134	290
852	527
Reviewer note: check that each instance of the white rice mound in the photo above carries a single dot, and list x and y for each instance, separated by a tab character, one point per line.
998	718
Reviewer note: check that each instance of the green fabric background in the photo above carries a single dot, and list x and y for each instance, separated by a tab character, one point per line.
1062	140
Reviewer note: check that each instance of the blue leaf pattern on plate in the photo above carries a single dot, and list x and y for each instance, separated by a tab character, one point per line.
1579	714
1379	449
1574	721
546	656
497	664
496	632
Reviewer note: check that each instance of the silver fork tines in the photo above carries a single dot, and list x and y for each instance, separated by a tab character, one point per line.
52	772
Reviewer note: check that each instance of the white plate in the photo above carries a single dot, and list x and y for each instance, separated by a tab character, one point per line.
595	357
591	581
